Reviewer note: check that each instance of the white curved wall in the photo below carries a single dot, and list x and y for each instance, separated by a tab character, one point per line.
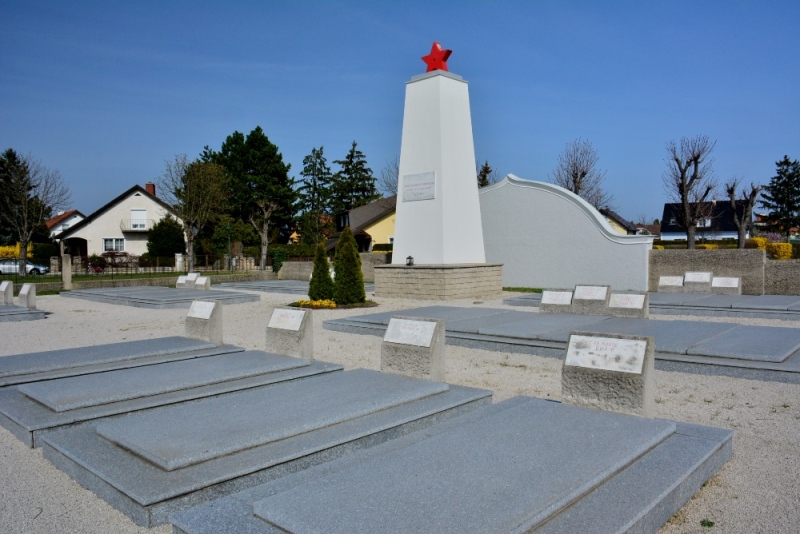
548	237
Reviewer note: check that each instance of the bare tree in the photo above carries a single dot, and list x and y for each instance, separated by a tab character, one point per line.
689	180
743	219
196	192
390	173
577	172
29	193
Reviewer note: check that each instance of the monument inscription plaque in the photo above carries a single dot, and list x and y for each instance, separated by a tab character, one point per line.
700	277
623	300
590	292
558	298
610	354
725	281
409	332
286	319
201	309
420	186
670	281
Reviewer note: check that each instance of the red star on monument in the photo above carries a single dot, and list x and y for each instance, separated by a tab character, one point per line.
437	59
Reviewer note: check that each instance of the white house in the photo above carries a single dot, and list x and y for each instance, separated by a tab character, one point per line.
64	220
119	226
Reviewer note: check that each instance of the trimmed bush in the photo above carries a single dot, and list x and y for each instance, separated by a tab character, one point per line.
348	286
321	285
278	256
779	251
756	242
707	246
383	247
658	247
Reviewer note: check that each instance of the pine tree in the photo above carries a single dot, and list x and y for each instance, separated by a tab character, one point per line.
782	197
314	194
483	175
348	286
354	184
321	285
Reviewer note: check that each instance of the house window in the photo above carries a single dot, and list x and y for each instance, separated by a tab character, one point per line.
138	219
114	244
672	221
391	239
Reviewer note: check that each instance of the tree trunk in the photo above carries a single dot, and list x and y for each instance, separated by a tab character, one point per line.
190	251
690	233
742	236
23	256
264	244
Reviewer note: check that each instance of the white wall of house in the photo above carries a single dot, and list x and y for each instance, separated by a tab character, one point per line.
67	223
547	237
125	233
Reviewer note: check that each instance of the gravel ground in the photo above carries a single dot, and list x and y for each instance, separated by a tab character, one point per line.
757	491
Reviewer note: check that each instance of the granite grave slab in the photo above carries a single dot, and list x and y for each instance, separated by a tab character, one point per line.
158	297
758	343
10	313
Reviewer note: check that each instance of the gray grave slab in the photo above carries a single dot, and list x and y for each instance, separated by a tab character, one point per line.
539	326
157	297
13	313
770	302
246	454
295	287
492	470
447	313
34	366
473	325
28	419
717	301
674	299
758	343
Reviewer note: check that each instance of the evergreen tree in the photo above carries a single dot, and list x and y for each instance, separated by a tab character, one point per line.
165	238
348	286
354	184
314	195
321	285
483	175
782	197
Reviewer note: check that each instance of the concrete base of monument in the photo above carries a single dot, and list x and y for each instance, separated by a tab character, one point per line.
439	282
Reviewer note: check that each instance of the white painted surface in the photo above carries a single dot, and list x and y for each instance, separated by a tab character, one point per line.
559	298
286	319
420	186
546	236
725	281
192	277
201	309
625	300
671	281
607	353
443	225
590	292
695	276
407	332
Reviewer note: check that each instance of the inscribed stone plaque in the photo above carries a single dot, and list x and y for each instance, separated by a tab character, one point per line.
420	186
624	300
725	281
559	298
700	277
286	319
590	292
192	277
670	281
610	354
406	332
201	309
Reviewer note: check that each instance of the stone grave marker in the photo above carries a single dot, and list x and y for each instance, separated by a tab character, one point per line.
290	332
629	305
181	283
191	280
556	301
414	346
610	371
670	284
590	299
7	292
697	282
202	282
726	285
27	296
204	321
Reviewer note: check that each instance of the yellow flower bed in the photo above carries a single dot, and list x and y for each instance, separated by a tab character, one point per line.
707	246
658	247
779	251
316	304
759	242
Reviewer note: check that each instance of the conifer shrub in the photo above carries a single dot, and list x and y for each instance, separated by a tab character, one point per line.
321	285
348	286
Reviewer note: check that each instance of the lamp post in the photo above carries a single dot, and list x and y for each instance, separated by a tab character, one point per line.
228	227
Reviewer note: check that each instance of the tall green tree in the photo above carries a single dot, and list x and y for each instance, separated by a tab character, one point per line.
314	195
781	196
196	192
320	287
261	191
353	185
166	238
348	285
29	193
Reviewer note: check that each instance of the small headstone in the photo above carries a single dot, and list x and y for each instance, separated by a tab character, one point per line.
290	332
555	301
629	305
726	285
204	321
414	347
670	284
191	279
609	371
591	299
203	283
27	296
697	282
181	283
7	293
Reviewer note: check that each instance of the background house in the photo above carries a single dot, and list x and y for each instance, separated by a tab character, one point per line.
717	223
620	225
372	224
63	221
119	226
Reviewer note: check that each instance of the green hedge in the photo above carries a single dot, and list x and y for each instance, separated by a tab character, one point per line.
383	247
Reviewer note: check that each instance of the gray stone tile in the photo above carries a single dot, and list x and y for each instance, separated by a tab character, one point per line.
717	301
674	299
758	343
158	297
540	325
447	313
474	324
11	313
770	302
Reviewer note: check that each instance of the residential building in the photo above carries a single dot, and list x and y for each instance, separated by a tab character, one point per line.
371	224
716	223
63	221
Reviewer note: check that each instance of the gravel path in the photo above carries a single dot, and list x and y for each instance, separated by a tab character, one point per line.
757	491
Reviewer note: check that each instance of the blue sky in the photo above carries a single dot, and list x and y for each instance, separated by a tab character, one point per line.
106	91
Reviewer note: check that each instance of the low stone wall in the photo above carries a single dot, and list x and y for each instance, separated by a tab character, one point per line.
782	277
368	262
439	282
748	264
296	270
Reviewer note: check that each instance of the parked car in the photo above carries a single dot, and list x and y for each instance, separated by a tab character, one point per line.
11	266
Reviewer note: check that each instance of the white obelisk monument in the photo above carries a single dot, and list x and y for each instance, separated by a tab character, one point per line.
438	227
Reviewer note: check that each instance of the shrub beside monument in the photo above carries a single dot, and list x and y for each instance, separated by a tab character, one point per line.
320	286
348	286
